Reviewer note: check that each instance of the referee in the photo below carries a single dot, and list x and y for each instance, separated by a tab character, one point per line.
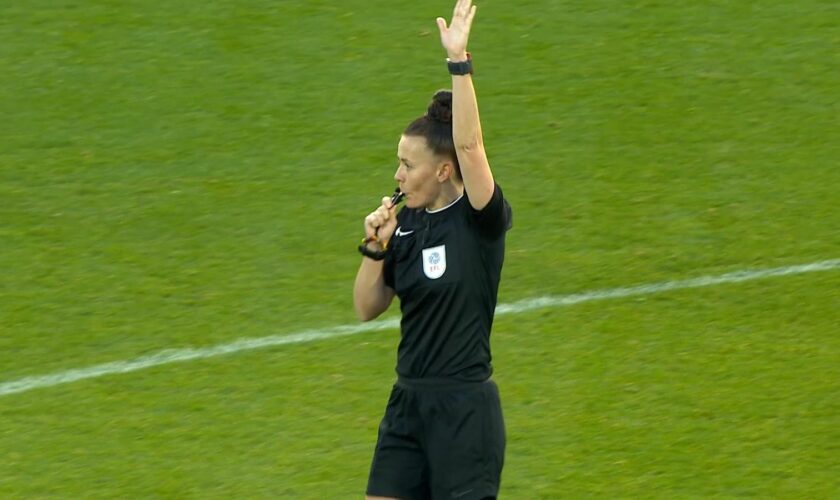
442	435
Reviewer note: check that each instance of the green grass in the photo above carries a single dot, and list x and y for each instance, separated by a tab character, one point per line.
175	174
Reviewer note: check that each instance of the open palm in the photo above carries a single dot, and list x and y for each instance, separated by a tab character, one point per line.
454	37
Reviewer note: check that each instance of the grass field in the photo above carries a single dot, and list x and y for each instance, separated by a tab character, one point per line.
184	175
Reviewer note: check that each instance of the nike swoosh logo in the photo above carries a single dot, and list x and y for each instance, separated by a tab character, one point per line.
460	494
400	232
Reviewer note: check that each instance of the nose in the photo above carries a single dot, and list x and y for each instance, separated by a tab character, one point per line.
398	175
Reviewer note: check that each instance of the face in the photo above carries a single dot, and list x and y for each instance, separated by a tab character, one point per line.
421	172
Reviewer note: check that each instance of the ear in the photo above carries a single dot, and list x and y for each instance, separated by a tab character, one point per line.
445	170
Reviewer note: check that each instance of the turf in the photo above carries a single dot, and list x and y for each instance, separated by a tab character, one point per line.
177	175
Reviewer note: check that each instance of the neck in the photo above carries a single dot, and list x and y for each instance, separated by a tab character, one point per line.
449	192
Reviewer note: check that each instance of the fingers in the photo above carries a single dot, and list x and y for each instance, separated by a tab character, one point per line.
459	7
375	220
441	22
379	217
471	15
454	36
461	16
462	8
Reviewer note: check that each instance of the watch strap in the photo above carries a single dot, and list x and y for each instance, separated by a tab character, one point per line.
461	67
373	254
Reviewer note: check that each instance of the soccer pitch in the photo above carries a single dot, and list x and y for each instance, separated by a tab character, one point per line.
176	178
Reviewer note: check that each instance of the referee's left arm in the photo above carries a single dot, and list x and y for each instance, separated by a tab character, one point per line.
466	125
469	143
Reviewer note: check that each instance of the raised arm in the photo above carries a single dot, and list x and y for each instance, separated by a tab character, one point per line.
466	126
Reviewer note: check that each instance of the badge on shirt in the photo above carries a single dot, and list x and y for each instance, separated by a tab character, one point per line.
434	261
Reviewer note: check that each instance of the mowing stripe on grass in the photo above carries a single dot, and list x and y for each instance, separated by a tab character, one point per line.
179	355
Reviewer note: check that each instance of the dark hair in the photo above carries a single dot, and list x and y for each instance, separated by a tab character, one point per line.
436	127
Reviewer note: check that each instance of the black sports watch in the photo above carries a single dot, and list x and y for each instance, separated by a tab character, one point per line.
460	68
373	254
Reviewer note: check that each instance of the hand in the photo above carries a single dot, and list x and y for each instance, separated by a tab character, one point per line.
454	38
382	222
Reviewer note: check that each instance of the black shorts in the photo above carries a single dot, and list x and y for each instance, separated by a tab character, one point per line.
439	439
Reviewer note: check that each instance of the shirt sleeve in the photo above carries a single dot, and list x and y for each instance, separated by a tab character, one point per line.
496	217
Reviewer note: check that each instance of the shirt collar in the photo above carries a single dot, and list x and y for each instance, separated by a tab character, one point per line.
456	200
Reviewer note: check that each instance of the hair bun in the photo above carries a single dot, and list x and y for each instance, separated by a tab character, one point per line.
441	107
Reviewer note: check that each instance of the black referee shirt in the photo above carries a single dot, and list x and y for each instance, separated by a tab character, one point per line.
445	267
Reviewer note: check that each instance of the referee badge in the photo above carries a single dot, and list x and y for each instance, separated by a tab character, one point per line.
434	261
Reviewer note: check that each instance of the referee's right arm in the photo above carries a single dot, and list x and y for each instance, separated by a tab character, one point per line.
371	296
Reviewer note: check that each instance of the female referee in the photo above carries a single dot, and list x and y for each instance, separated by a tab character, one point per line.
442	435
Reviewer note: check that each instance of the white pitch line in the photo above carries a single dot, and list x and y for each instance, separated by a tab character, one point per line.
168	356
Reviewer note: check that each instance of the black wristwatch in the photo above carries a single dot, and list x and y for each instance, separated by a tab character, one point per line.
461	68
373	254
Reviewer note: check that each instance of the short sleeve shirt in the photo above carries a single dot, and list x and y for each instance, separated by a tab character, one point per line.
445	267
